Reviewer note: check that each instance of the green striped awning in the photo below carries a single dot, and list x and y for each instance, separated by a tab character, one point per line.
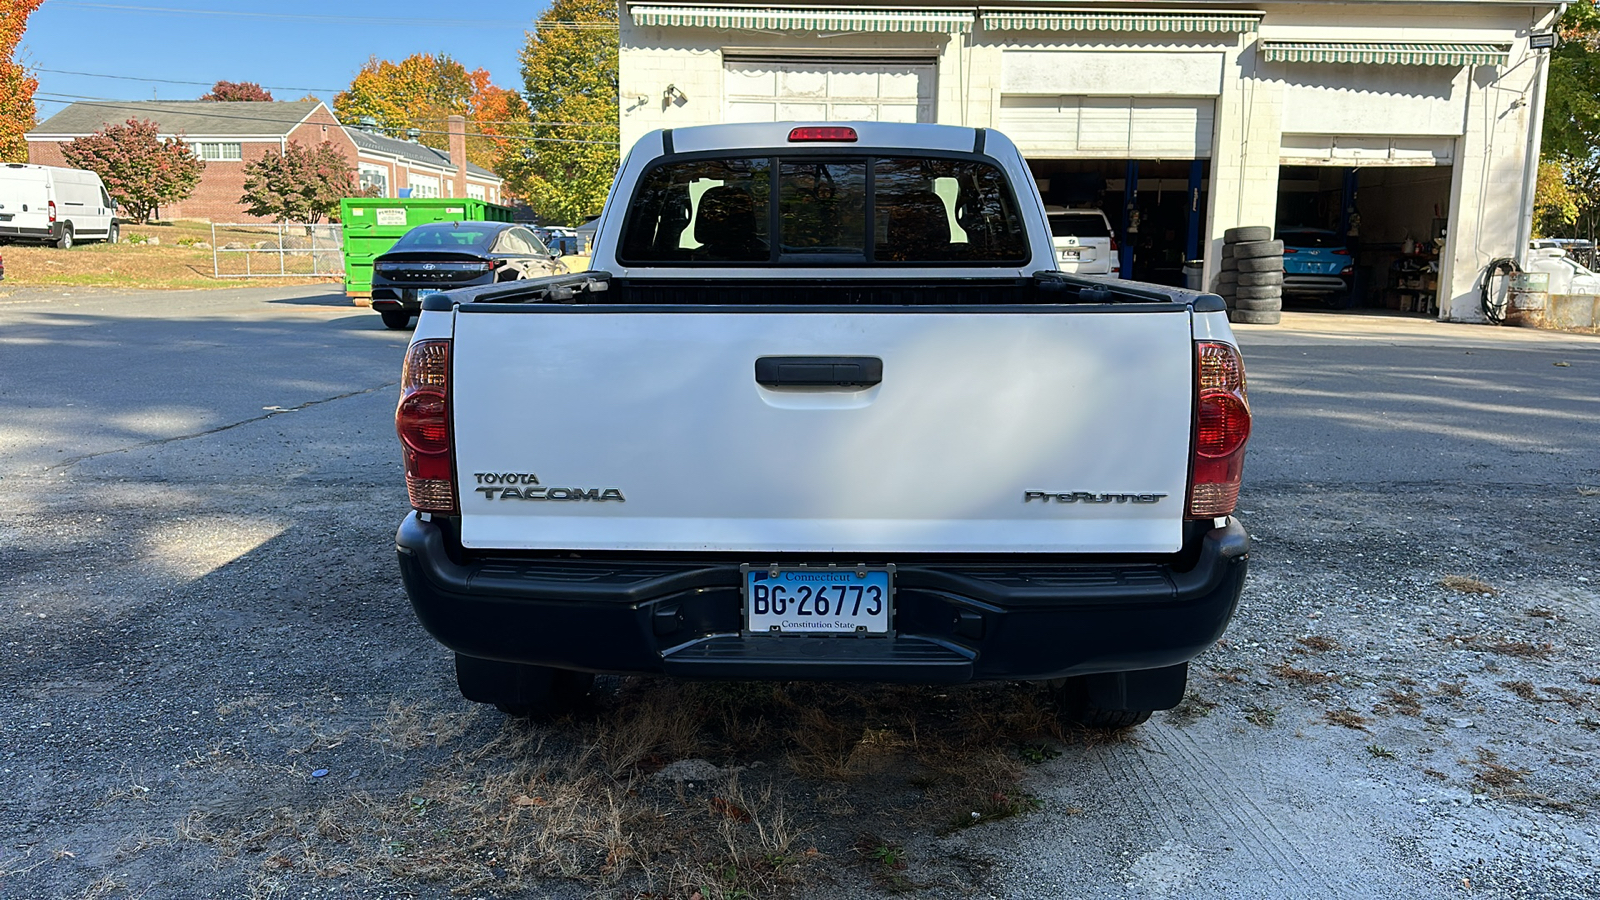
945	21
1386	54
1122	20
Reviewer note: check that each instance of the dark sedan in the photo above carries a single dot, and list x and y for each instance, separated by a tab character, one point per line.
441	256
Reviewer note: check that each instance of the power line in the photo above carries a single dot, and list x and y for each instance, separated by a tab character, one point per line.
272	87
113	104
358	20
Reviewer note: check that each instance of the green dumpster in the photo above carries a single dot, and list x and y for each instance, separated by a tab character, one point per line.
373	224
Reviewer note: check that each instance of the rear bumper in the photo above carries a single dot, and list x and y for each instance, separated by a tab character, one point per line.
388	296
30	234
1315	284
982	621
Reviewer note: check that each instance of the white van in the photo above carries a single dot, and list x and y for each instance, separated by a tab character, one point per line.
54	206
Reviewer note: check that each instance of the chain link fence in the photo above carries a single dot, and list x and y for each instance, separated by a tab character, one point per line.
277	250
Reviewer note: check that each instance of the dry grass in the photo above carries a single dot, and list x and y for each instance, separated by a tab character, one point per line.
1490	772
1466	584
129	265
1302	676
1523	689
1524	649
499	811
1406	703
1316	643
1346	718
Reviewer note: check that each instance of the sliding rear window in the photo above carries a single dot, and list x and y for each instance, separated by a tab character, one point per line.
824	210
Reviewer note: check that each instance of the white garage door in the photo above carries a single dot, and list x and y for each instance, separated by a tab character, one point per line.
1366	150
781	90
1109	127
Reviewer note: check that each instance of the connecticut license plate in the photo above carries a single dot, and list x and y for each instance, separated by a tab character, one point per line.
817	599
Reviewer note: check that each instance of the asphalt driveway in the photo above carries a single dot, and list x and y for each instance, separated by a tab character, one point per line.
215	686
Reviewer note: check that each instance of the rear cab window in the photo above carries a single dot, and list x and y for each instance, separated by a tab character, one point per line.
824	210
1079	224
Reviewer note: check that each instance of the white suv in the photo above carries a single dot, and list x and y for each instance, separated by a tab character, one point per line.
1084	242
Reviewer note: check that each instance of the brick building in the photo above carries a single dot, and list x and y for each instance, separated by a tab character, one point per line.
227	135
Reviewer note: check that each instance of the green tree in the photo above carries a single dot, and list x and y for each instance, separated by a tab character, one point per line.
569	71
299	185
140	170
1572	96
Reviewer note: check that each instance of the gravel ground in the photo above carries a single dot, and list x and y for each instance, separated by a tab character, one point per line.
200	614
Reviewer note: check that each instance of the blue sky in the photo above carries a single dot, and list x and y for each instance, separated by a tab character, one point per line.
287	45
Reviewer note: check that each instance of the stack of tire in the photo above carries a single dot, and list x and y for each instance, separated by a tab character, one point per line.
1252	275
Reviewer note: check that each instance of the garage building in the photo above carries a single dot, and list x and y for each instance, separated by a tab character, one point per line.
1406	127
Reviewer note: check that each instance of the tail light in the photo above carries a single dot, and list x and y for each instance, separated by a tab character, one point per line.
52	206
422	420
1341	253
1222	427
1288	251
1348	270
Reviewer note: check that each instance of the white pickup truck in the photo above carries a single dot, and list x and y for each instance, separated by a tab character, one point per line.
824	408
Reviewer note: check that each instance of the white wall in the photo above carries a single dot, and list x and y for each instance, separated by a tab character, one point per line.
1478	118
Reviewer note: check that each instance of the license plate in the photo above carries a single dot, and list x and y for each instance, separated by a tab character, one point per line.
1069	254
423	292
817	599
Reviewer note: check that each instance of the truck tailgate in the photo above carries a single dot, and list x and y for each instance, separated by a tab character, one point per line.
1048	430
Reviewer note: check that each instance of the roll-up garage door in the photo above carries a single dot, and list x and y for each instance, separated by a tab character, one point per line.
1112	127
1367	150
778	90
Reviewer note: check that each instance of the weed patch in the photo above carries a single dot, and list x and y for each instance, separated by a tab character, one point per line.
1263	716
501	807
1464	584
1317	643
1346	718
1300	676
1406	703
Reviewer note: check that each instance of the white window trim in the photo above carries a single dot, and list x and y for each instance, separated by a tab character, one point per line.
381	172
199	152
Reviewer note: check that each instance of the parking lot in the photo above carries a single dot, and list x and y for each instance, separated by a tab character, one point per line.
216	686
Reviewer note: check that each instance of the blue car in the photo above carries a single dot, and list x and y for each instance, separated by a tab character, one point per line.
1317	264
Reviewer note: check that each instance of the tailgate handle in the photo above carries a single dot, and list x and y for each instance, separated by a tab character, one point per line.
819	371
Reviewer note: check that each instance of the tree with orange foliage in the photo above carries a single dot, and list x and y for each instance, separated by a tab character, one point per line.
16	83
422	91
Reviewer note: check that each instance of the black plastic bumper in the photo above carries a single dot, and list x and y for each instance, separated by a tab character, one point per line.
993	619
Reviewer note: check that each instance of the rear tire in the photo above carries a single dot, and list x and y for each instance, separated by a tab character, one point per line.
523	691
1118	699
113	233
64	242
395	318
